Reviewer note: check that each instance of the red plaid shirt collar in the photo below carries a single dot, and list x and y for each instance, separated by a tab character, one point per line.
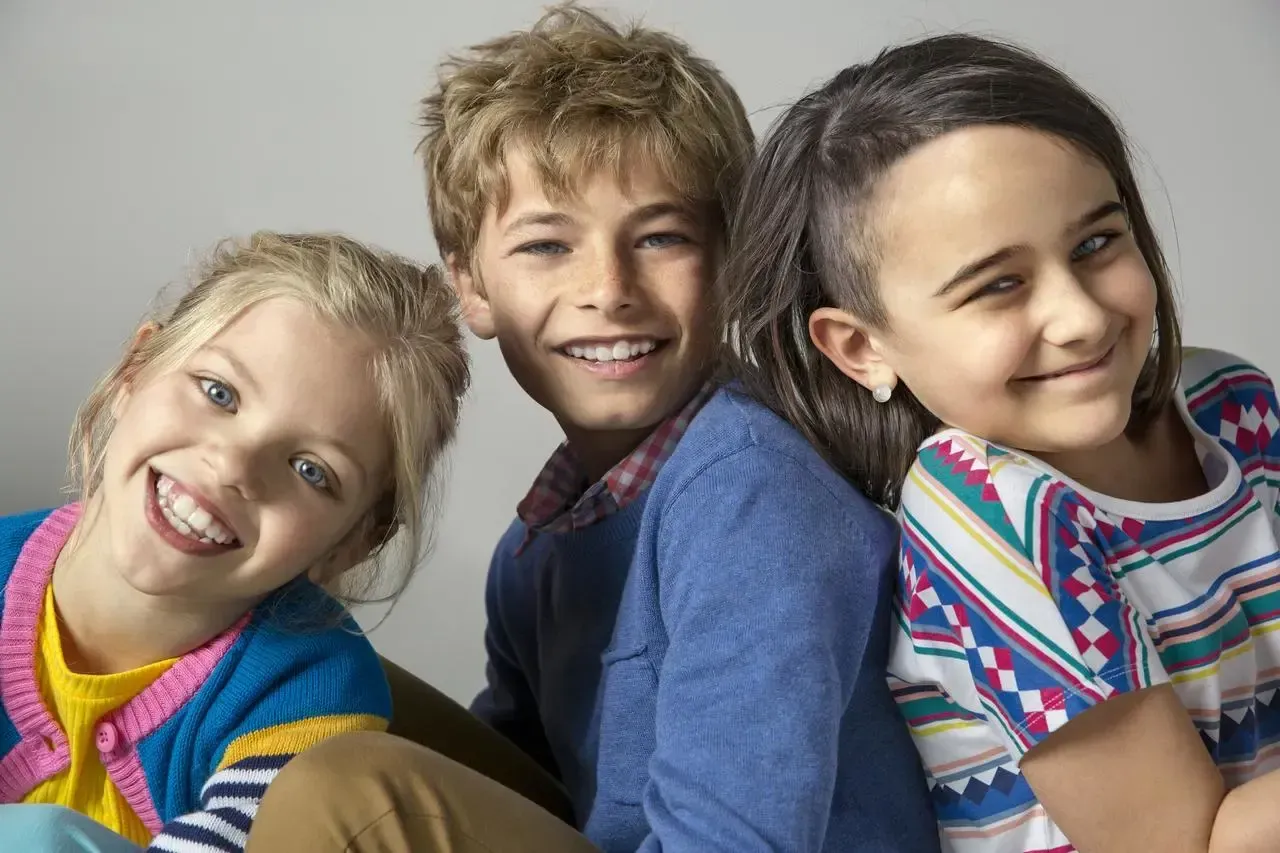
562	499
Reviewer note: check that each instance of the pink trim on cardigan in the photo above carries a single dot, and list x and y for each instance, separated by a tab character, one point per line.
42	749
31	761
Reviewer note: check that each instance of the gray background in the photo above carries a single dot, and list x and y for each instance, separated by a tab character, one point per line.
135	132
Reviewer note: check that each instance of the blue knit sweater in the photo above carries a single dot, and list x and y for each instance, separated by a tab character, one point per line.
194	752
705	669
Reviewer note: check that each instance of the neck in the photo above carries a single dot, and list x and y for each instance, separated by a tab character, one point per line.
1158	466
598	451
107	625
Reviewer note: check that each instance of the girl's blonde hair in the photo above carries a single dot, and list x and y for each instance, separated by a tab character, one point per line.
408	313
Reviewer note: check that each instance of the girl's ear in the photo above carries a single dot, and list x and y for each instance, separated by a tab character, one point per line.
131	364
361	543
475	304
851	348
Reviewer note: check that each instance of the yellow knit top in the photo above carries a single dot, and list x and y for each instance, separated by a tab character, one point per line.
77	701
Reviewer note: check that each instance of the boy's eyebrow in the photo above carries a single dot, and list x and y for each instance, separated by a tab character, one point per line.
981	265
657	209
547	217
236	365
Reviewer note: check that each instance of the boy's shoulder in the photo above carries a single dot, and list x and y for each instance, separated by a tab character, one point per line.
735	426
738	440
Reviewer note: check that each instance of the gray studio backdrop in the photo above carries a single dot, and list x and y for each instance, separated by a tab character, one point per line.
135	132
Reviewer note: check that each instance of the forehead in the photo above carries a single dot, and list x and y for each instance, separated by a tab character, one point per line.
595	196
974	191
305	371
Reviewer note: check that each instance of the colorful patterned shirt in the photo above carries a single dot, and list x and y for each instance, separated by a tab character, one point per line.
1024	599
563	499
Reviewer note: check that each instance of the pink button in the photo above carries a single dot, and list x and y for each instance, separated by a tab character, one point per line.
107	737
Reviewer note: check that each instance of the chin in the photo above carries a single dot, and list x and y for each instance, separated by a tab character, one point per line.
1094	432
630	420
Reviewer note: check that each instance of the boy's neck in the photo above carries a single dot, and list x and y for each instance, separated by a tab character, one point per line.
108	626
597	451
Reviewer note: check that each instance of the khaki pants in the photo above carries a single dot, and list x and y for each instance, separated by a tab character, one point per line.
376	793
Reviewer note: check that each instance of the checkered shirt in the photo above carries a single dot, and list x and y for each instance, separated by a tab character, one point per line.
562	498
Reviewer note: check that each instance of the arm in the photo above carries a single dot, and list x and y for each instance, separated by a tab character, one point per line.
1132	774
1056	661
507	702
230	799
768	586
288	692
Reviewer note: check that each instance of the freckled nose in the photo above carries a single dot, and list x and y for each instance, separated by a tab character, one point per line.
609	287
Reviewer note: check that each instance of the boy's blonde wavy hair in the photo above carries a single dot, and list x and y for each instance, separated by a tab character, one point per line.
580	95
406	311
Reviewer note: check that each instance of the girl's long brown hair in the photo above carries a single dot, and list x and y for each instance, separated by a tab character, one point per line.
801	238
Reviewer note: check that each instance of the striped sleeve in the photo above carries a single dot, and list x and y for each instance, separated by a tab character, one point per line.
1007	613
229	800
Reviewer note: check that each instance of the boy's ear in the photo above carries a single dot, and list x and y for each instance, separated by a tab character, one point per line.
132	362
475	304
850	347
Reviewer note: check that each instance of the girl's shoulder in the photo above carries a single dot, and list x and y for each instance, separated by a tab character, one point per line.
954	466
1211	378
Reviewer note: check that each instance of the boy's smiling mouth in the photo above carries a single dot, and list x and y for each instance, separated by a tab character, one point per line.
618	349
186	520
613	358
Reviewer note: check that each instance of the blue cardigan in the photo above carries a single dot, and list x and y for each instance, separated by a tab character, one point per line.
705	669
247	700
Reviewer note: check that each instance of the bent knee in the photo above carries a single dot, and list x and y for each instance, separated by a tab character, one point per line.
338	764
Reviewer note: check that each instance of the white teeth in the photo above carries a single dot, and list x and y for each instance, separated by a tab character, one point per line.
183	506
620	351
188	517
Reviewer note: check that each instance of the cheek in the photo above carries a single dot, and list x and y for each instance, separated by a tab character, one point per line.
1131	290
682	289
956	367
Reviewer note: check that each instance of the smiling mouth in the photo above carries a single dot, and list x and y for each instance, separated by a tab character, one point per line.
1079	368
622	350
187	516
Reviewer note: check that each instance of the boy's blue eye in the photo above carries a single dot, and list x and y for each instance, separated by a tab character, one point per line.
545	247
659	241
1092	246
218	393
312	473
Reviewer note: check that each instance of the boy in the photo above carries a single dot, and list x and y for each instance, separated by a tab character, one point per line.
699	672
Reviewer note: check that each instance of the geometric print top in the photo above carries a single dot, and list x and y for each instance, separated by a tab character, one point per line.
1024	599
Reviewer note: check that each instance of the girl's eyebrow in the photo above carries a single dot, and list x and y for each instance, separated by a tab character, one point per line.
980	266
1102	211
237	366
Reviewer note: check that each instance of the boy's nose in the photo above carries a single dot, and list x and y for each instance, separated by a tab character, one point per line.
610	287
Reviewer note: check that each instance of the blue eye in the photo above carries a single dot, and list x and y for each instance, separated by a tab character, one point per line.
312	473
218	393
661	241
545	247
1092	246
999	287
